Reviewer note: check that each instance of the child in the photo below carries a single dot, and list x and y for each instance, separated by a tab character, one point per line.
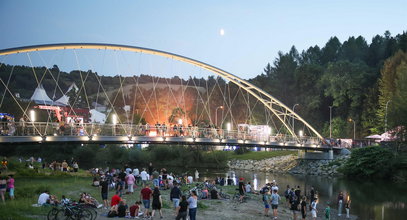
328	212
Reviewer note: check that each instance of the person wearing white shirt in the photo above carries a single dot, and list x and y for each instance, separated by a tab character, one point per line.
144	176
248	188
136	172
190	179
43	198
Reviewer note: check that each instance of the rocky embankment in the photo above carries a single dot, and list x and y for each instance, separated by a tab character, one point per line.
275	164
291	164
319	167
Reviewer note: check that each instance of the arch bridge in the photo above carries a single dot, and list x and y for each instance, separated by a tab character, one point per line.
32	132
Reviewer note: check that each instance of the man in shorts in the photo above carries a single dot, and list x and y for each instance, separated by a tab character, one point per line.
275	198
145	196
294	201
314	209
104	189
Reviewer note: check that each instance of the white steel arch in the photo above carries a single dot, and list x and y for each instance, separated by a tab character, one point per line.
269	101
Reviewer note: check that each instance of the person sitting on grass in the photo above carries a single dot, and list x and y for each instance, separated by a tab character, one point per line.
122	209
214	194
134	209
43	198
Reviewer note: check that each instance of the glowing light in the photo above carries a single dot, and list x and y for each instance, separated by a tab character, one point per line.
228	126
153	134
32	115
301	133
114	119
180	121
222	32
269	130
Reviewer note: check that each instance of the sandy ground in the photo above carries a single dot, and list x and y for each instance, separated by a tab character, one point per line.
229	209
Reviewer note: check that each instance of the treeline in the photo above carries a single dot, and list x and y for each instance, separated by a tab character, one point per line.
115	156
356	78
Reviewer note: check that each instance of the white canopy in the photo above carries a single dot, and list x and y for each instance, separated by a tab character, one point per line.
63	100
96	116
40	96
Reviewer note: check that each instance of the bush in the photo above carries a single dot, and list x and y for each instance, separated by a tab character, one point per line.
369	162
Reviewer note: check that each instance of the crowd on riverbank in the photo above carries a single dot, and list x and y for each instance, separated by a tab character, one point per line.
146	189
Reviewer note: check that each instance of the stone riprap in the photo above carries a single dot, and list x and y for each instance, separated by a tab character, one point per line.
291	164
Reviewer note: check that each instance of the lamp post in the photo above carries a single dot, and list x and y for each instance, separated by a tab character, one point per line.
330	122
385	117
293	117
216	114
32	116
354	128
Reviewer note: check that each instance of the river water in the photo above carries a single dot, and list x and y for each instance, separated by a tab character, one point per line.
370	200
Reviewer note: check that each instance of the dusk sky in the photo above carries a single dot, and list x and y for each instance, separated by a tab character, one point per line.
254	31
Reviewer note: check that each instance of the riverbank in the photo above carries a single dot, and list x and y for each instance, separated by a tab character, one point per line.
291	164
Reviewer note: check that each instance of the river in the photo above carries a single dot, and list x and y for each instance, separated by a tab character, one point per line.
370	200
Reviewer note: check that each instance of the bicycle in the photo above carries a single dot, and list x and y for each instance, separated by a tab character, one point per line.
223	195
74	212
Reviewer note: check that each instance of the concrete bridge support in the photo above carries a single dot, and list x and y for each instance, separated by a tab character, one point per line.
316	155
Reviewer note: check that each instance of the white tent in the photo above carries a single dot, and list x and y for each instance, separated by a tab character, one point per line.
97	117
63	100
40	96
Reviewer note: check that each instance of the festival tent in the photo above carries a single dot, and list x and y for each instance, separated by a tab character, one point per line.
97	116
64	100
40	96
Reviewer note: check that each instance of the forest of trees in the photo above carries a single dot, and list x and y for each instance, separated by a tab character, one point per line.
356	78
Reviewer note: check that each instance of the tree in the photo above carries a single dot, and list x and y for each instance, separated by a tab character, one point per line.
388	84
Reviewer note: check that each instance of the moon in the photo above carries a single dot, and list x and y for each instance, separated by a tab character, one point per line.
222	32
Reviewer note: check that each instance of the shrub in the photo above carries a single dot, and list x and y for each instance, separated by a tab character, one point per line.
369	162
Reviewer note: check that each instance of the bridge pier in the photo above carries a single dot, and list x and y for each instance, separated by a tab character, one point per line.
316	155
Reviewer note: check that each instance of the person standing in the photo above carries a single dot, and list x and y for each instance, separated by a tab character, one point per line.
312	194
193	205
175	195
64	166
314	209
144	177
75	167
181	211
130	179
347	207
327	212
266	201
156	176
157	202
275	199
104	189
10	186
304	207
340	203
294	201
3	187
241	189
145	196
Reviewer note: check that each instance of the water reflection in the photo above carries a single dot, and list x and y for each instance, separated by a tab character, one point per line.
378	200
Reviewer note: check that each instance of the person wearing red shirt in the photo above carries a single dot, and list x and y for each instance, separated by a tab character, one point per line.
115	199
134	209
145	196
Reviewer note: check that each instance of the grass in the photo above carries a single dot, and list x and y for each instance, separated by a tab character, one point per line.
260	155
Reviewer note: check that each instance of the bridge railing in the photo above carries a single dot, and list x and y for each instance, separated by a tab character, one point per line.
96	129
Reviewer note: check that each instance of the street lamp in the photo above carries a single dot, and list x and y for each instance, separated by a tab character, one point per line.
228	126
180	121
385	117
354	128
300	133
216	114
330	122
293	118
